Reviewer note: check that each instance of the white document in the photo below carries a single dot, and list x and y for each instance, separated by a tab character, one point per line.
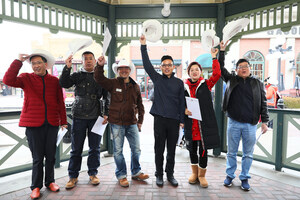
106	40
258	137
61	133
180	135
194	107
98	127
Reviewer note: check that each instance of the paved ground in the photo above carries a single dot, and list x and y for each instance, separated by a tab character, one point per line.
266	183
262	188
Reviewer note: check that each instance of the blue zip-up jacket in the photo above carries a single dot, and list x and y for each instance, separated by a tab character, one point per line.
168	92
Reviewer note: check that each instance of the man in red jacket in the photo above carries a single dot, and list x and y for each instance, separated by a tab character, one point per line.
42	114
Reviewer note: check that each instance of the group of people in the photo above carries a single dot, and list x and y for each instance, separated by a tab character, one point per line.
44	111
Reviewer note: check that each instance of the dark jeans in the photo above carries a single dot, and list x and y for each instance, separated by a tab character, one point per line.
81	128
165	130
197	158
42	144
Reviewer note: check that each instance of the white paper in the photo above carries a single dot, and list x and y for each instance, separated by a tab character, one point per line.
258	137
180	135
98	127
194	107
106	40
61	133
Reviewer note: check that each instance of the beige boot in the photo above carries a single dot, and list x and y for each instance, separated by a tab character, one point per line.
194	177
201	177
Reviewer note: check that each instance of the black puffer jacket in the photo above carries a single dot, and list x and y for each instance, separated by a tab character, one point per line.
209	124
87	94
259	94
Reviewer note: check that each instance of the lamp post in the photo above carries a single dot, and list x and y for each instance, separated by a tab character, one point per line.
278	49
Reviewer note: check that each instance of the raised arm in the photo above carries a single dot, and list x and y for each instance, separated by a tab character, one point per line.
216	70
65	79
99	77
146	61
11	77
224	72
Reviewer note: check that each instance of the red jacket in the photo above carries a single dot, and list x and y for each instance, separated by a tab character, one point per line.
41	95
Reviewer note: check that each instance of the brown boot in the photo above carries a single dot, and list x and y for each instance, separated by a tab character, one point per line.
194	177
72	183
201	177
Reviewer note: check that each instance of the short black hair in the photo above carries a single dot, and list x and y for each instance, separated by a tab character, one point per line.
43	58
241	61
87	52
166	57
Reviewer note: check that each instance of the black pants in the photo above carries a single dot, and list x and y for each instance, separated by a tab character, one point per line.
42	143
198	158
165	130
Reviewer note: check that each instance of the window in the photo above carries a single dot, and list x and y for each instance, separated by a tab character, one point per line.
257	63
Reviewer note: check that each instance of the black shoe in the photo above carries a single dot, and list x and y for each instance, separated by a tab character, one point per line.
159	181
173	181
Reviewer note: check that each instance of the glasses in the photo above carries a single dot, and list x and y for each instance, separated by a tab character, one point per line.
167	65
243	67
37	63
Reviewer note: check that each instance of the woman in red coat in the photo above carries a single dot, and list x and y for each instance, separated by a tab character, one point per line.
201	135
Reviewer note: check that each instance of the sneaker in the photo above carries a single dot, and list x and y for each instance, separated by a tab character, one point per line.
228	181
72	183
94	180
123	182
141	177
245	185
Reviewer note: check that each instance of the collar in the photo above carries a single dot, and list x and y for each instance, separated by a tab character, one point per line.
172	75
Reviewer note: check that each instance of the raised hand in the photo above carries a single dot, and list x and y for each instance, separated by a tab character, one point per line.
23	57
143	40
223	46
214	52
101	61
68	61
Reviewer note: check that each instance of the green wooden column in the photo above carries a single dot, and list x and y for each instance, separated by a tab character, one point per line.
111	59
112	46
219	85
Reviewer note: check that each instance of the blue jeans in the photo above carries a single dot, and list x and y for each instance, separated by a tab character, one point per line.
132	134
235	131
81	128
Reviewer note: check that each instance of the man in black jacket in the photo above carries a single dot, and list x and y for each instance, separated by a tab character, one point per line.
244	102
168	111
85	111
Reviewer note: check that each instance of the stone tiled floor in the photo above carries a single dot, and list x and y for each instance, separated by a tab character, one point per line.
261	188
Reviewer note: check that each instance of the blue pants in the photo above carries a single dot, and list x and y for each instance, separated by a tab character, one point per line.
132	134
81	128
235	131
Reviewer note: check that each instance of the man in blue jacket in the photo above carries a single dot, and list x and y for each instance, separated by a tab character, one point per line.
168	111
244	102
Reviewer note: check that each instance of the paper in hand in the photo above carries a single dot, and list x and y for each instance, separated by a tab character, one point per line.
106	40
61	133
194	107
180	135
98	127
258	137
